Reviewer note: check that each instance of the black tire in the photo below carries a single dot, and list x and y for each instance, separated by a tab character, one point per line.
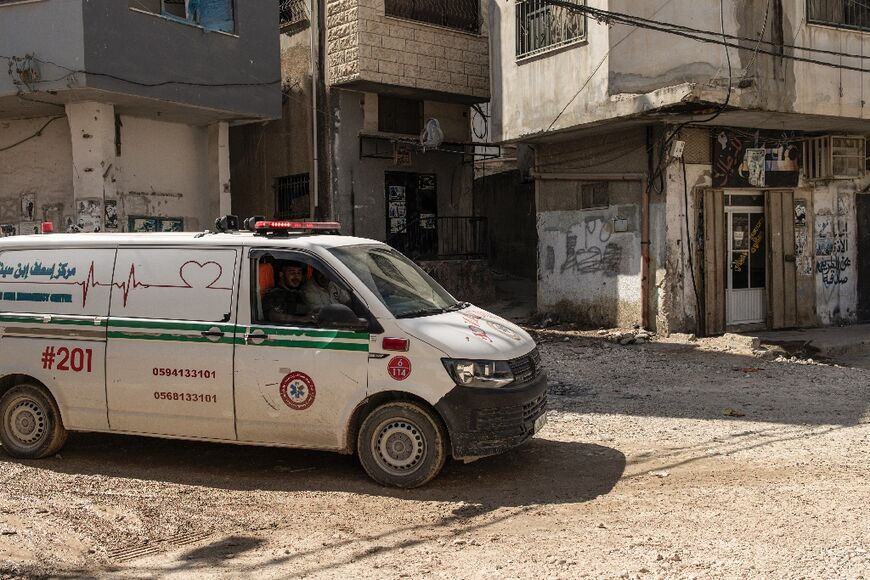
402	444
30	423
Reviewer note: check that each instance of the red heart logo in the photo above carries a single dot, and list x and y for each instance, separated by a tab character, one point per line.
200	274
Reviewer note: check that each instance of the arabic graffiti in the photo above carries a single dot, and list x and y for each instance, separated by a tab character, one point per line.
61	271
832	270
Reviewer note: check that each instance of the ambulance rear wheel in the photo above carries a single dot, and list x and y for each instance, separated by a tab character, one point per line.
402	445
30	423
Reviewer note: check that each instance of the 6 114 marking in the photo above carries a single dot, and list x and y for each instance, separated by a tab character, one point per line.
77	360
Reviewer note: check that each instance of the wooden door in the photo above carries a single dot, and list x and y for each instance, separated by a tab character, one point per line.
712	260
781	271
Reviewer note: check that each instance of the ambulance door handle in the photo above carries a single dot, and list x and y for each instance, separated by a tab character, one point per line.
213	333
257	337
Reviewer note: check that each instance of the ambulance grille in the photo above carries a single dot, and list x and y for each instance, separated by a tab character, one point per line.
526	368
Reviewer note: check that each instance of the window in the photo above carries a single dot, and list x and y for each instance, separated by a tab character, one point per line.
210	14
458	14
292	289
293	15
292	196
842	13
398	115
835	157
595	195
542	26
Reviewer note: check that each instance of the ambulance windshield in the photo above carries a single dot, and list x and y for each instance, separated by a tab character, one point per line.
401	285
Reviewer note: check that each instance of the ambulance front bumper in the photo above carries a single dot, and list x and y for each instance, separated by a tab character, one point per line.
485	422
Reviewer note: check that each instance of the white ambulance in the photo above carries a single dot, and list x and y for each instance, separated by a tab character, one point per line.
289	335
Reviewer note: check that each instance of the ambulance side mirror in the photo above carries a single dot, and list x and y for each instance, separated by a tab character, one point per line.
339	316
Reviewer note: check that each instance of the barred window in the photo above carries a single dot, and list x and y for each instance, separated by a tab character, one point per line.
458	14
293	15
841	13
542	26
292	199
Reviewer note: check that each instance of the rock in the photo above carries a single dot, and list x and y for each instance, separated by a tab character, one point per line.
603	332
459	542
627	341
602	526
662	473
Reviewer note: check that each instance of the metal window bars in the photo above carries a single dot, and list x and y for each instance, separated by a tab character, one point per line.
294	15
840	13
542	26
292	199
459	14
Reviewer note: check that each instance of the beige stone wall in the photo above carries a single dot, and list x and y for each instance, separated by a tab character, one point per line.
365	45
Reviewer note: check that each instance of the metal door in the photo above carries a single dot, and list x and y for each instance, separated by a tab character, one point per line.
863	213
746	296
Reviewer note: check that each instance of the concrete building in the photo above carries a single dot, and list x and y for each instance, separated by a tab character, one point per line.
682	185
114	114
385	73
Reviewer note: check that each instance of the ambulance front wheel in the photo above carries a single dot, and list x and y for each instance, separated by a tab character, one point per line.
402	444
31	426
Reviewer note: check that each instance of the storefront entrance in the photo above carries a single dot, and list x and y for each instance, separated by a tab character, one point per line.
746	293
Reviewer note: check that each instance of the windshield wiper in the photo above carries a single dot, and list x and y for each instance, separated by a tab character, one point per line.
425	312
457	306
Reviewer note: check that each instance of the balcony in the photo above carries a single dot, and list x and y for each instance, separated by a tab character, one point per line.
457	14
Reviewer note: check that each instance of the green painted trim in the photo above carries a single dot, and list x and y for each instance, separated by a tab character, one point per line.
170	338
284	331
345	346
55	319
169	325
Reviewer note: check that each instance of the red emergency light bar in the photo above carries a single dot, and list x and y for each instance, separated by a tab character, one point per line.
283	228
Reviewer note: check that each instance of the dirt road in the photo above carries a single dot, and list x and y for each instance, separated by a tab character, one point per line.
639	473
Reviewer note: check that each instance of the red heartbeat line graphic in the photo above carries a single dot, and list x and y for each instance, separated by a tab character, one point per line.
132	283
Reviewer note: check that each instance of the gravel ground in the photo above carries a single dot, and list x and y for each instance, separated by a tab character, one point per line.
660	460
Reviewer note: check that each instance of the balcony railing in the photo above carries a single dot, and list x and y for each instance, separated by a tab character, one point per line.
459	14
293	15
542	26
840	13
453	237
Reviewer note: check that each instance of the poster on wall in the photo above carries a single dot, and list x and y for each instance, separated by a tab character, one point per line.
90	215
7	230
737	158
155	224
397	225
111	222
427	221
397	193
28	207
29	228
397	209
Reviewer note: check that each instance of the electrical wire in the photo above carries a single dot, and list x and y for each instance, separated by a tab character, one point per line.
33	136
146	84
754	58
693	34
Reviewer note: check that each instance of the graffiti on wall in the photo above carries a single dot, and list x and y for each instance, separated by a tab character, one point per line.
803	255
832	243
589	249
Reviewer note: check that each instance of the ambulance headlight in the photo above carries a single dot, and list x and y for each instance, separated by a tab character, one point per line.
479	373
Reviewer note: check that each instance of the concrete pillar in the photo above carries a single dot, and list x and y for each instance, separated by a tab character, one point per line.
220	193
95	163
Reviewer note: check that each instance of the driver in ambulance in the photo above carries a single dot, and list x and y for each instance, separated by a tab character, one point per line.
286	301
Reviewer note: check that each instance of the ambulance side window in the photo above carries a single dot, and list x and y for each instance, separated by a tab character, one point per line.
292	292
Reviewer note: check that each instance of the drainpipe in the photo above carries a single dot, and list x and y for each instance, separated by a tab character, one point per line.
314	27
644	240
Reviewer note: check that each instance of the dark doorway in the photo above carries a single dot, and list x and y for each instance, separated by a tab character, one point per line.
863	211
411	201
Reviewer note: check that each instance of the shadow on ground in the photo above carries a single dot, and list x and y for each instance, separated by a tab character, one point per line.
539	472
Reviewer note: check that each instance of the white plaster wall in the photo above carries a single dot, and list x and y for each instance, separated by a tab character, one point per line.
165	172
587	270
677	301
529	94
41	166
835	239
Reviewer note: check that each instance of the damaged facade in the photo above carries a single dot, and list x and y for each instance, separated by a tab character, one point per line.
684	189
386	72
114	115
